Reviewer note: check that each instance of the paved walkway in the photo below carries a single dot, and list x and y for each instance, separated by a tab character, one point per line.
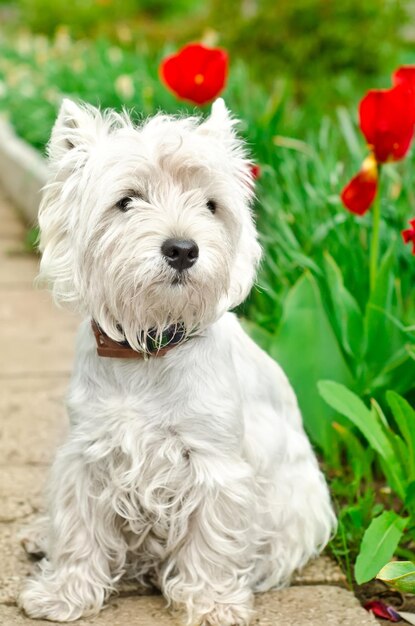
36	349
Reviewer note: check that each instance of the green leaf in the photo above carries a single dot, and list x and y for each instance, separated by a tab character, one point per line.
410	498
382	293
351	406
359	457
31	240
405	418
378	545
383	338
398	444
346	311
307	349
398	372
399	575
349	132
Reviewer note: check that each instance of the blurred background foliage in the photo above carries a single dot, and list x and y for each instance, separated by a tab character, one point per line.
310	41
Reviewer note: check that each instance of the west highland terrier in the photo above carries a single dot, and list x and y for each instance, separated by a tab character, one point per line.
186	463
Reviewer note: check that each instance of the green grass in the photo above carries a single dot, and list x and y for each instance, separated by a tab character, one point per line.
311	308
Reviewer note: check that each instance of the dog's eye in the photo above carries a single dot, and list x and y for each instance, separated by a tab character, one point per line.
211	205
124	203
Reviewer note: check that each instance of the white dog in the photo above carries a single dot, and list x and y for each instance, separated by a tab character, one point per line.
187	465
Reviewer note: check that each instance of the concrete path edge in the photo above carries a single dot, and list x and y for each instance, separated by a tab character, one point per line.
23	172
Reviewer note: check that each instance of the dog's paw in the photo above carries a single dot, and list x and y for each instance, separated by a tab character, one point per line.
39	601
38	604
227	615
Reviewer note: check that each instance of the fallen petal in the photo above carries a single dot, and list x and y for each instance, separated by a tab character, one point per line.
382	610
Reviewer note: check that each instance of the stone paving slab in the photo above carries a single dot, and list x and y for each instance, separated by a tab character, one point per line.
10	225
33	419
321	571
15	565
17	267
39	338
9	217
296	606
318	605
21	491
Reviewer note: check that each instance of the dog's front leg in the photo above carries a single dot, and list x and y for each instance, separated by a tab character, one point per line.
84	550
209	575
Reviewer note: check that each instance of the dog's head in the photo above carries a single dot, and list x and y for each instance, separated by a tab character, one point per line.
144	227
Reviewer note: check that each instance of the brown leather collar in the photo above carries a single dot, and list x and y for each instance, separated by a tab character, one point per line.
110	348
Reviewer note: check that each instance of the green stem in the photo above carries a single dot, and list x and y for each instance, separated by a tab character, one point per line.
374	245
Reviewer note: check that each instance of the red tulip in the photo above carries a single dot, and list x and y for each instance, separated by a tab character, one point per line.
255	171
387	120
196	73
409	235
360	192
405	75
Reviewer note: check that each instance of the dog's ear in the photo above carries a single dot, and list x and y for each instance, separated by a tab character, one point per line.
75	127
220	121
220	116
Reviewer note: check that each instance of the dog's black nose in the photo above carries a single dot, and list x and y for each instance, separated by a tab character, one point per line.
180	253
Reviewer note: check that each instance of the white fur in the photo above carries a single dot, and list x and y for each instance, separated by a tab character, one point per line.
191	470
